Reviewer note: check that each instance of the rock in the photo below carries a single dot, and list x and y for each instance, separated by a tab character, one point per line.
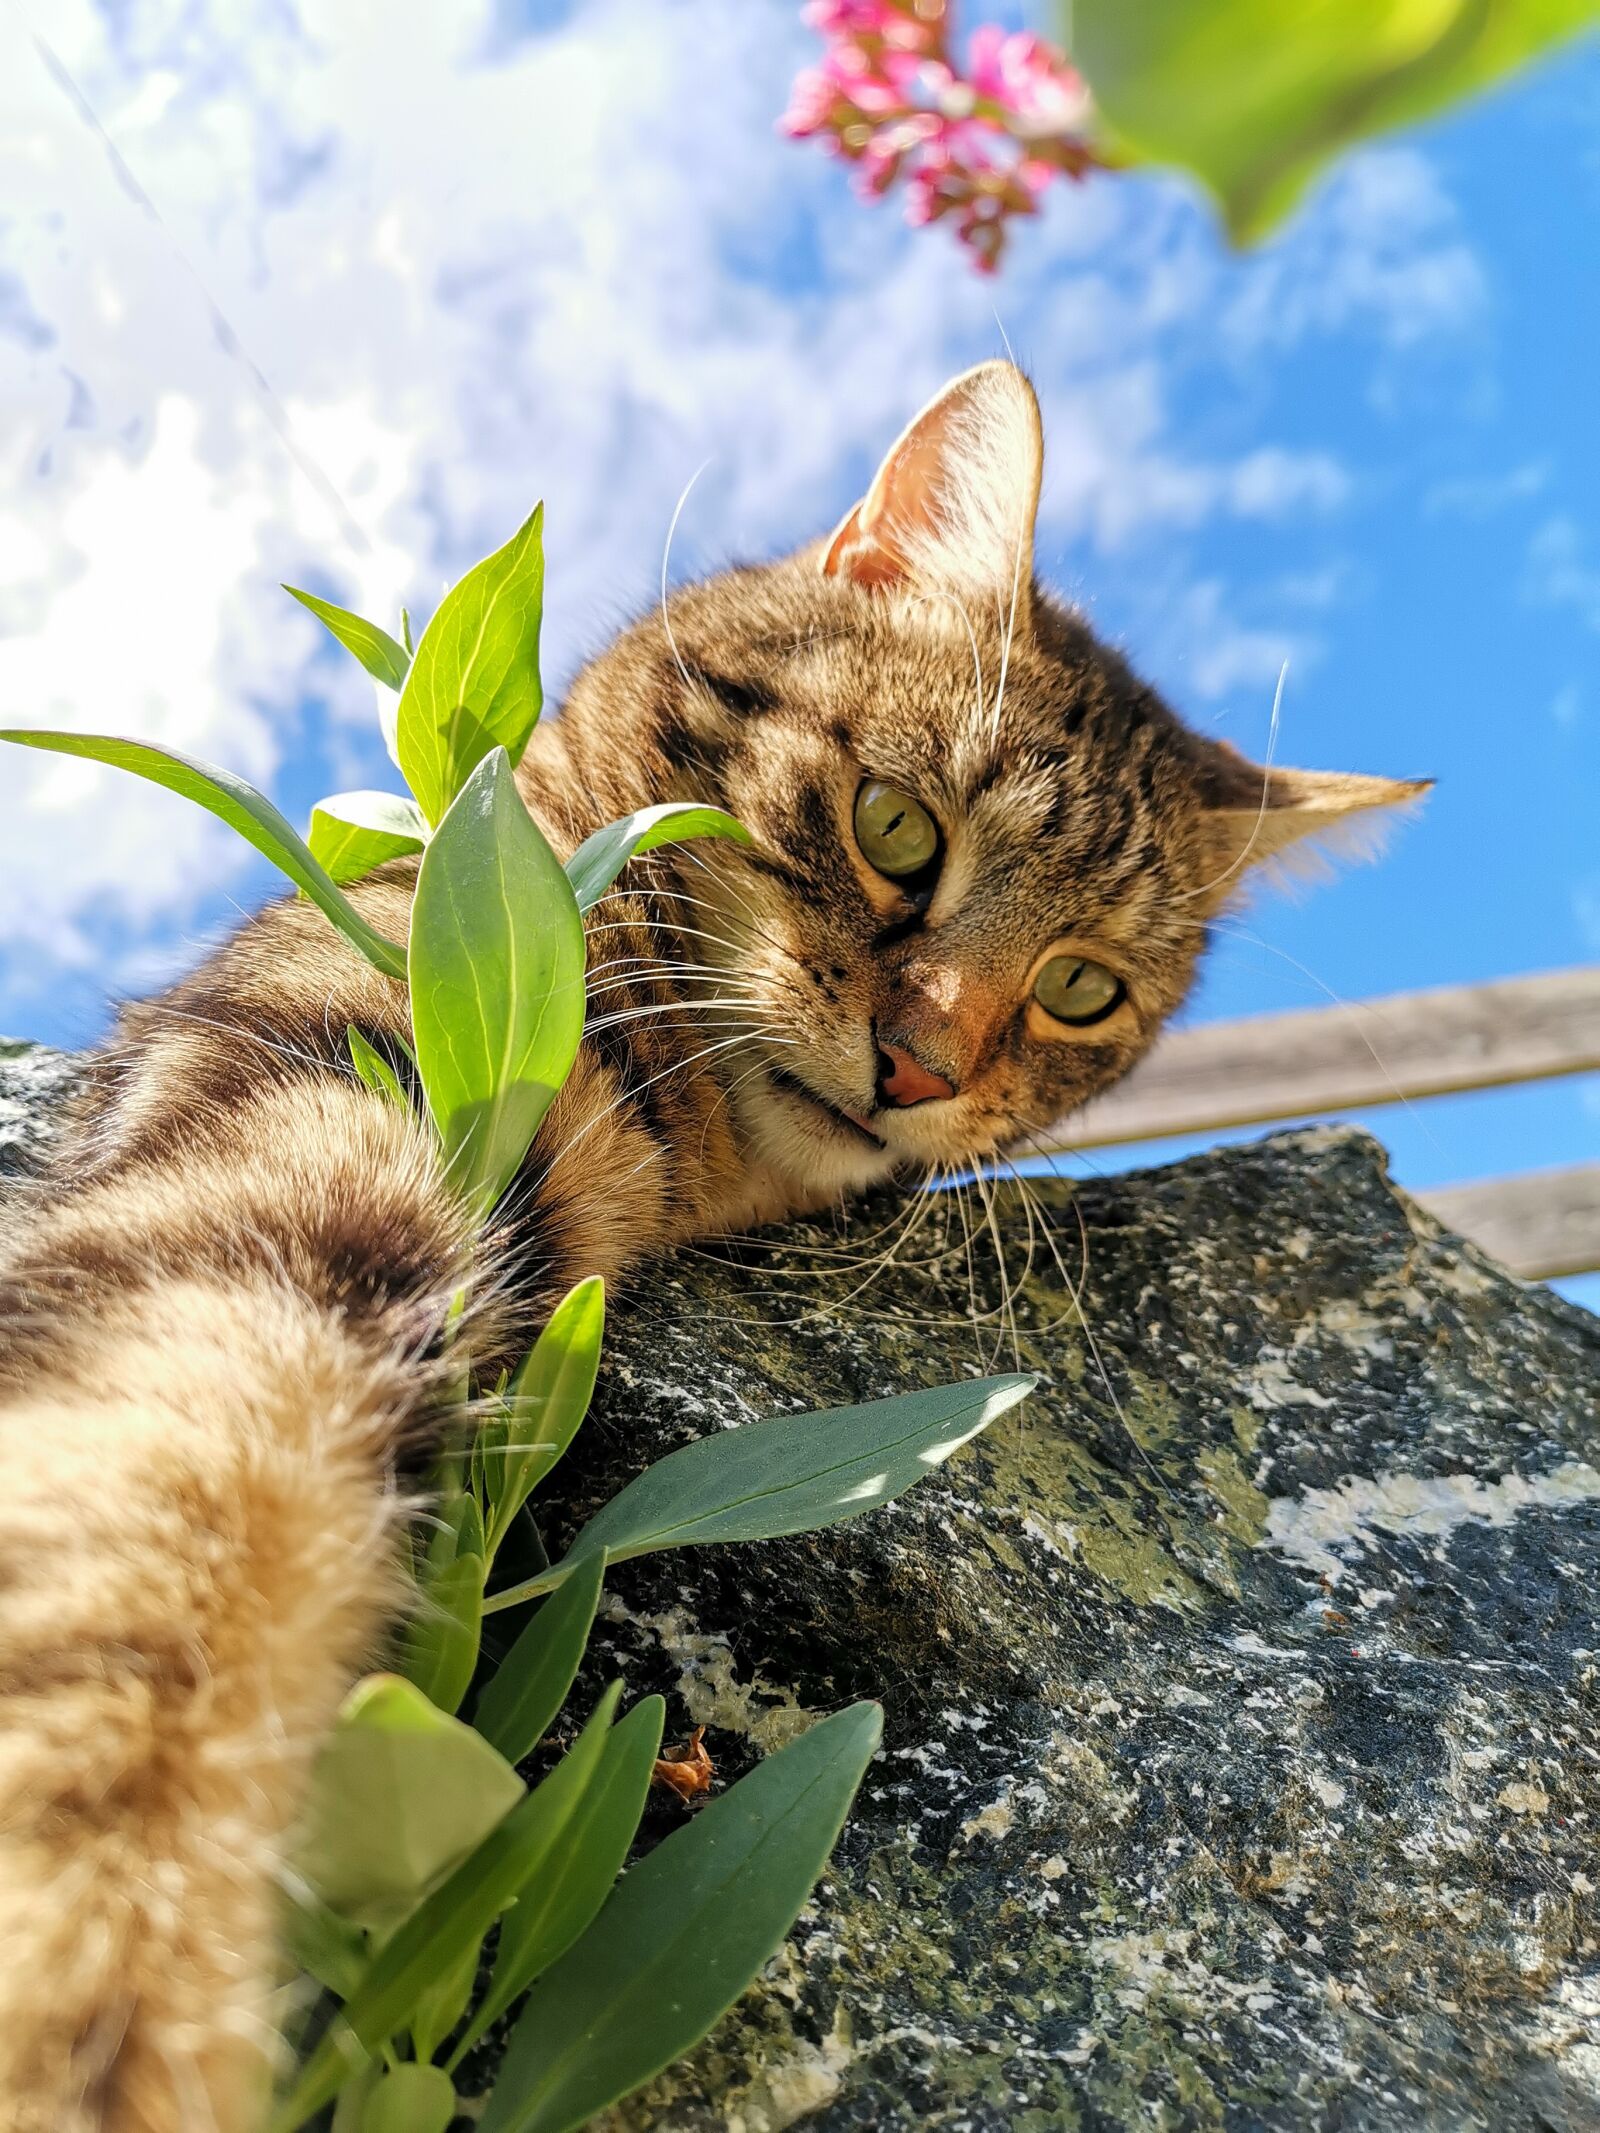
1242	1755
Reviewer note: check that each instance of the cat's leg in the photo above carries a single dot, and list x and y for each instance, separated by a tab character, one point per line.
205	1372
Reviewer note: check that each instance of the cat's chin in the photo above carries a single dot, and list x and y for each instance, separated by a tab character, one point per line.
820	1147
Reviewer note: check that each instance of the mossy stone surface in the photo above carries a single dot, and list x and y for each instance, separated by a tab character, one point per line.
1242	1752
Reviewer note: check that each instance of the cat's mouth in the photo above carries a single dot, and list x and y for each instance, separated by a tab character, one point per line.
851	1122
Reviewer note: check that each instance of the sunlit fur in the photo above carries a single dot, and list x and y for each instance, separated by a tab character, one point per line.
220	1334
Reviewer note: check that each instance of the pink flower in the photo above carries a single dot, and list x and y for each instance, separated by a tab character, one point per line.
978	145
1027	76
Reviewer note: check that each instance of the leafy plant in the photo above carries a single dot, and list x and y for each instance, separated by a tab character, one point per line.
420	1840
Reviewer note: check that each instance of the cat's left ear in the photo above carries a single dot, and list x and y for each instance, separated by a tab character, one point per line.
952	507
1256	815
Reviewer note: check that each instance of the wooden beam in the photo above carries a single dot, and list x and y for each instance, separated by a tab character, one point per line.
1541	1224
1349	1057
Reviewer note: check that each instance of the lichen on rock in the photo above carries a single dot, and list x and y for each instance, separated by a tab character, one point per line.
1241	1765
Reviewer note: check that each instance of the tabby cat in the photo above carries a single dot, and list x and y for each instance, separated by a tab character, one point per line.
985	858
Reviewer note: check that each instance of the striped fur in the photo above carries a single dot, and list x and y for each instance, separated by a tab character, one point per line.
219	1337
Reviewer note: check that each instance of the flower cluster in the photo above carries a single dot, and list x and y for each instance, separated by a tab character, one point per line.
977	142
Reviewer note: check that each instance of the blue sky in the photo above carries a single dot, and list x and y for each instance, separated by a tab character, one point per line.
562	251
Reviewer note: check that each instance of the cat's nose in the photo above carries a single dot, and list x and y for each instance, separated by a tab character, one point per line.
904	1080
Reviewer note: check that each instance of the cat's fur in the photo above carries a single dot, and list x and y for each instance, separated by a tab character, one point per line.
220	1336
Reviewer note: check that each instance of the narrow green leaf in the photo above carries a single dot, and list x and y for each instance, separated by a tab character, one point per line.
547	1399
377	651
442	1636
455	1917
410	2099
400	1794
548	1916
1254	97
244	809
349	2111
442	2003
597	862
788	1474
374	1069
327	1947
497	980
516	1708
405	631
474	683
683	1935
353	832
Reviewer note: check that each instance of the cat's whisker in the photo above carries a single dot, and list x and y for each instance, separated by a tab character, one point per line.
666	559
1351	1007
1242	858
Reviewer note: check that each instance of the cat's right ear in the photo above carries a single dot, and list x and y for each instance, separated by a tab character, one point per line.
952	507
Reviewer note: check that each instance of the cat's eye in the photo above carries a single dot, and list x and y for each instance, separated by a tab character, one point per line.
896	834
1077	991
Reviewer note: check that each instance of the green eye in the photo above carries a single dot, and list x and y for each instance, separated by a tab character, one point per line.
1076	990
896	834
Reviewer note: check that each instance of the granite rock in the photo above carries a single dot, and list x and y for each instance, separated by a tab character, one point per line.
1242	1753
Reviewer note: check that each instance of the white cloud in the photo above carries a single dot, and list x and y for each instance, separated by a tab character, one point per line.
1481	496
1561	572
392	283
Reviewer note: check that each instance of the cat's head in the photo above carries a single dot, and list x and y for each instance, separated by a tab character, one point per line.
986	853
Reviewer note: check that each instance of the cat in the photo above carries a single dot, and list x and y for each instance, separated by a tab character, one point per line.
985	860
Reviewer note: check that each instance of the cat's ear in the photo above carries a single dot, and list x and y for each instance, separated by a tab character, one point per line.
952	507
1256	815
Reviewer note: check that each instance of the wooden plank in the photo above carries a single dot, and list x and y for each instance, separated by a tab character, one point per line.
1541	1224
1367	1052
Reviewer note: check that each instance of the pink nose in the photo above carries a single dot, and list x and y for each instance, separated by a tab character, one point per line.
904	1080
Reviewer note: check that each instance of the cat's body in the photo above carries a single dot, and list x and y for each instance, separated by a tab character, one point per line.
219	1340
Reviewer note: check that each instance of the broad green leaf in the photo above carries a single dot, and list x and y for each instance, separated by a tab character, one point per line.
1255	97
377	651
545	1402
789	1474
516	1708
685	1932
400	1794
454	1918
410	2099
244	809
374	1069
549	1915
442	1637
597	862
497	992
353	832
474	683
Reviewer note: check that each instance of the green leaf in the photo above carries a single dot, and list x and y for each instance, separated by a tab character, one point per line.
497	991
244	809
377	651
327	1947
410	2099
374	1069
443	2003
597	862
547	1918
1255	97
353	832
400	1794
516	1709
442	1637
685	1932
474	683
454	1918
546	1400
789	1474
